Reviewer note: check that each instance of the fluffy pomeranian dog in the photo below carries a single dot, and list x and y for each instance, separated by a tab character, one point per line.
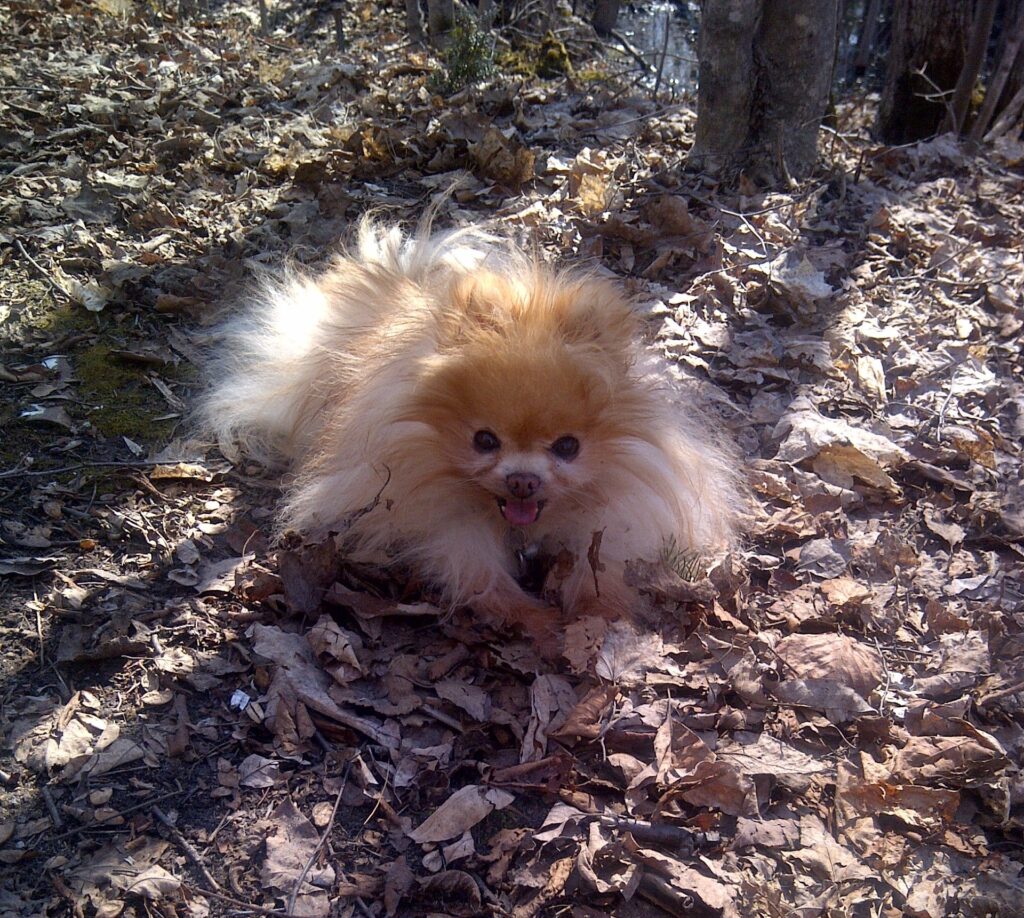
462	407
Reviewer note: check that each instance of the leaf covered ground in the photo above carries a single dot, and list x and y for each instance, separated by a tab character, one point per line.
197	720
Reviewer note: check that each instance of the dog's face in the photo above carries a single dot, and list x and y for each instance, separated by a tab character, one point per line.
530	388
525	428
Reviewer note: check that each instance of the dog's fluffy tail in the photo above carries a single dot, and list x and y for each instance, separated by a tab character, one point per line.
263	367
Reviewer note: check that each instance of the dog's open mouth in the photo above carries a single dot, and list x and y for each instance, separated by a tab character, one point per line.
520	512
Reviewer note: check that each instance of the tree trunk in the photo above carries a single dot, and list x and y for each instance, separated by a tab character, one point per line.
866	40
980	31
606	14
797	47
928	35
440	19
414	20
1012	15
725	83
765	73
339	28
1009	117
1010	60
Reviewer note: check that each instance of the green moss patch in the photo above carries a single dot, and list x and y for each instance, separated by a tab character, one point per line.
548	59
554	58
119	401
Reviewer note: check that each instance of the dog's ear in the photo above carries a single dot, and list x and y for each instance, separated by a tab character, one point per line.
587	312
593	311
480	302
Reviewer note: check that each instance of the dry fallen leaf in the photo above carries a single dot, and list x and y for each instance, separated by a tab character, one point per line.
839	703
503	159
860	340
460	812
126	868
606	866
397	883
831	656
585	720
766	833
771	756
456	890
956	760
473	700
552	699
842	454
300	684
927	808
824	857
258	771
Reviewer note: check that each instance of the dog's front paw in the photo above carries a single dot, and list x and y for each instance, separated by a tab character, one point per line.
550	646
538	623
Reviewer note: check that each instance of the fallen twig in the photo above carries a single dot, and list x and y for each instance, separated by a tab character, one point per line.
238	903
51	806
185	846
663	834
323	839
43	273
441	717
1015	689
99	823
636	55
664	53
19	471
58	822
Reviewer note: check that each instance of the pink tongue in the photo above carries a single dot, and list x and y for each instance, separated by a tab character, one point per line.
520	512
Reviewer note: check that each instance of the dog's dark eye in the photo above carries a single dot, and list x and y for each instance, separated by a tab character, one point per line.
485	441
566	448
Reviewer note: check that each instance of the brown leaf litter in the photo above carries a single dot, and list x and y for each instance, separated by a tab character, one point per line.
198	720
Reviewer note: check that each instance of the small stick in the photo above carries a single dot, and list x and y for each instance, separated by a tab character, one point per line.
42	650
945	405
19	471
943	96
636	55
185	846
99	823
1002	693
664	52
664	895
319	845
42	271
51	805
238	903
441	717
888	678
339	29
659	833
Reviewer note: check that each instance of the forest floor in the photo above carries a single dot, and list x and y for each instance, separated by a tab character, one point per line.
194	720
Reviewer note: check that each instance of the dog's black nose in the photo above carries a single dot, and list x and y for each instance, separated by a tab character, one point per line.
522	484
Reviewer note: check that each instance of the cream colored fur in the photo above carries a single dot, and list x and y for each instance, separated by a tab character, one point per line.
371	379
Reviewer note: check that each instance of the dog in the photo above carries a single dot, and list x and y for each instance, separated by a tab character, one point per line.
462	407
